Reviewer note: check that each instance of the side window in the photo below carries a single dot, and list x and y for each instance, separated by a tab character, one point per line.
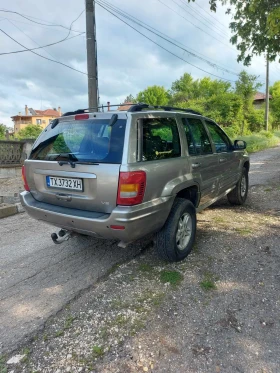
160	139
220	139
197	137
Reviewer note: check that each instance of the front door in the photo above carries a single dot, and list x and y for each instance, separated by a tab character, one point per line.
203	160
227	158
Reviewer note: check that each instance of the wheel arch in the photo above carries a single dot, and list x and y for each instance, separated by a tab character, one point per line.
191	193
247	165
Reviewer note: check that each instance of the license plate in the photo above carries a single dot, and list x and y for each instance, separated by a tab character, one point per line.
64	183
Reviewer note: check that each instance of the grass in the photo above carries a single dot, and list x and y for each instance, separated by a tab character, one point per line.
97	351
69	322
208	282
174	278
26	352
59	333
244	231
3	368
260	141
144	267
219	219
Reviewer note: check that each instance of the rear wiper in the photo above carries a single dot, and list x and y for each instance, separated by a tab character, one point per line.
61	163
73	164
87	162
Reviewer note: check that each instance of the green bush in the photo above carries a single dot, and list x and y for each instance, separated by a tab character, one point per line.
257	142
266	134
276	133
231	132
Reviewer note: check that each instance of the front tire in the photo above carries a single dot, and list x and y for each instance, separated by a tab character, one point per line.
239	194
175	240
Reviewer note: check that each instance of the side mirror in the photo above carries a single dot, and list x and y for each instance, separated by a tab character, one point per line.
240	145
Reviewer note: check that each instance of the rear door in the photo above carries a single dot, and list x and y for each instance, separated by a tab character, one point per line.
76	164
228	160
203	161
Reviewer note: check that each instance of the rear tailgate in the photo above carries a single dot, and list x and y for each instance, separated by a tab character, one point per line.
76	164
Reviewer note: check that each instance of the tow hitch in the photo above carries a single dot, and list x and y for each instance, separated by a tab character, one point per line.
63	234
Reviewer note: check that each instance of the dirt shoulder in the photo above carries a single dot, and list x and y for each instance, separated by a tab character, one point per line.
217	311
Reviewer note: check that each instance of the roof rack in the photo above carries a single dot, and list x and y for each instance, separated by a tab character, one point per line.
98	109
133	108
140	107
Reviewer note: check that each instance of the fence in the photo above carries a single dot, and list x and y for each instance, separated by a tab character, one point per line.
13	153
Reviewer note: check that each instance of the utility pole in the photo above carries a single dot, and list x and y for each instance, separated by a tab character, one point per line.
267	95
91	55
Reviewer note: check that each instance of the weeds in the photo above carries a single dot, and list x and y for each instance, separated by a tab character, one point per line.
69	322
144	267
3	368
244	231
97	351
59	333
208	282
174	278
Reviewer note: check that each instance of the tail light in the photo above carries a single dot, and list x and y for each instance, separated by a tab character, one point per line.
81	116
131	188
23	175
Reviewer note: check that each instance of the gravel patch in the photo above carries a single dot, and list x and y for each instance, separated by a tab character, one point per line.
11	186
217	311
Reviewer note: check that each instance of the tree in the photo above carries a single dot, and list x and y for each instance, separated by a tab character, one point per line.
154	95
246	87
255	27
184	85
3	130
130	99
31	131
275	102
185	89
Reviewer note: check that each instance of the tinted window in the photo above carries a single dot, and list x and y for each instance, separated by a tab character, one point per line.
85	140
197	137
191	145
220	139
160	139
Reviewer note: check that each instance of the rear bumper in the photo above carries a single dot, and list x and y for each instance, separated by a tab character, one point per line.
139	220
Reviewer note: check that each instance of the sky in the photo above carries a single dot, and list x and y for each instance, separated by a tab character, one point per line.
127	61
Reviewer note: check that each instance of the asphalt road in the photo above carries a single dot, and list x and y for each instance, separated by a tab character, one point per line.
38	278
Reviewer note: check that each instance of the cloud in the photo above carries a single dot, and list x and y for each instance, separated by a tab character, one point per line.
127	61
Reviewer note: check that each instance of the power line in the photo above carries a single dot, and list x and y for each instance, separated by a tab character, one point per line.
166	38
39	23
39	47
209	14
46	58
214	23
42	47
145	36
205	32
186	8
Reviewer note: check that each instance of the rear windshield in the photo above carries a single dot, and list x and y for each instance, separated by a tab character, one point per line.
86	140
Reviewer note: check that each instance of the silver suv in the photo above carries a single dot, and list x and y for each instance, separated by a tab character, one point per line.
126	174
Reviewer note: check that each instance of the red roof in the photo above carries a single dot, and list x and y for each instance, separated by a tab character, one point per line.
48	112
125	106
260	96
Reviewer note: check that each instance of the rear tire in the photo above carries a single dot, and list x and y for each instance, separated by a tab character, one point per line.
239	194
175	240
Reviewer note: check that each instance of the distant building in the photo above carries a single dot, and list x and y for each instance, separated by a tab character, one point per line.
126	106
259	100
37	117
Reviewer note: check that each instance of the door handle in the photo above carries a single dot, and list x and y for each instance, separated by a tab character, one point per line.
196	165
222	159
64	197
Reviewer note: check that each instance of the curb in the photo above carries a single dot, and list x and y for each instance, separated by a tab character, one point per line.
7	210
